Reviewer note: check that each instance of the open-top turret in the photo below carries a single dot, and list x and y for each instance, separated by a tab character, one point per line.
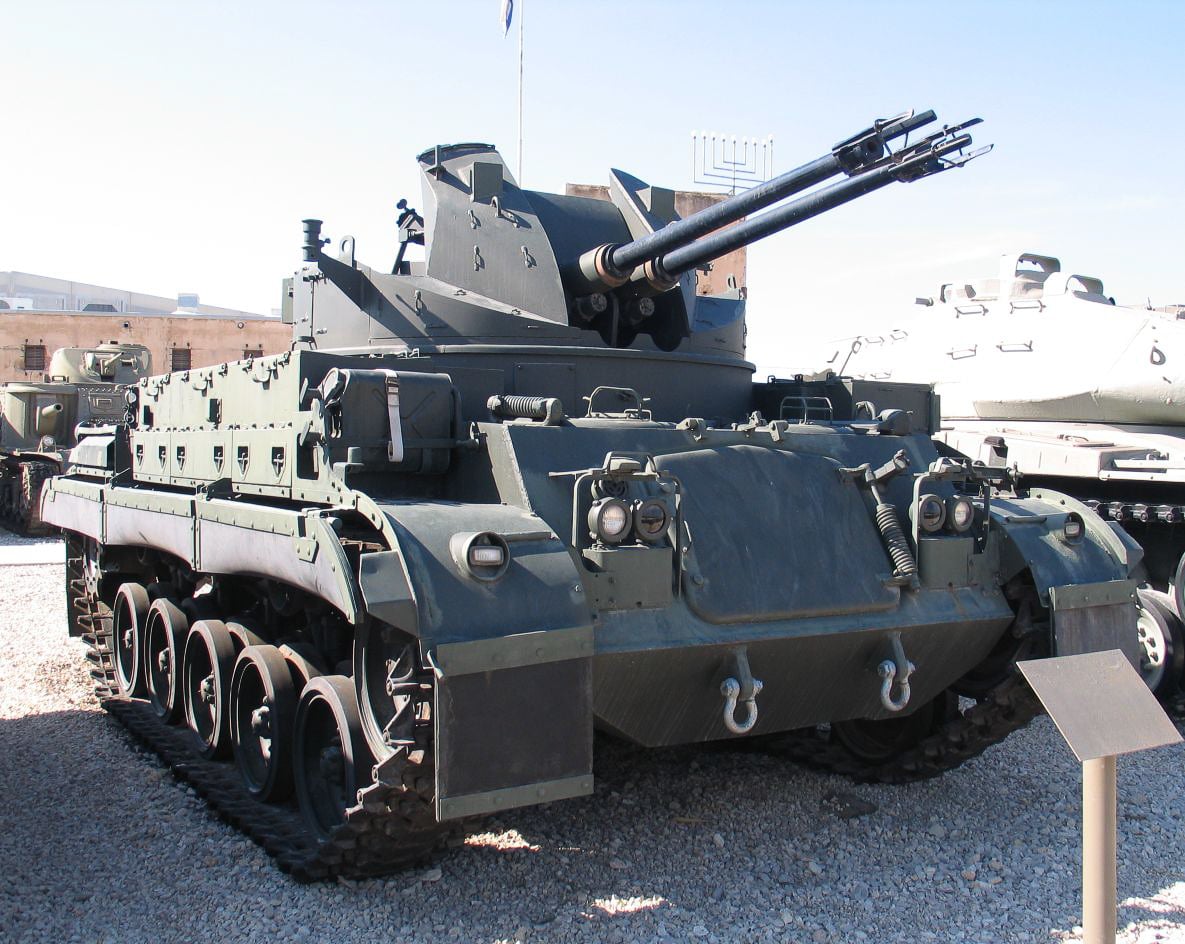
526	487
510	274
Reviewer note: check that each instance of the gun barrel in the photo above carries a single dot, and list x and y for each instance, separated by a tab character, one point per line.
850	156
917	164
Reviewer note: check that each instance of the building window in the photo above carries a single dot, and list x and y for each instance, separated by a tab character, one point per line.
180	358
252	352
34	357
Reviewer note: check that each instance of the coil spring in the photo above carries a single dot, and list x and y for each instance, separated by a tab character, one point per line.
895	540
528	408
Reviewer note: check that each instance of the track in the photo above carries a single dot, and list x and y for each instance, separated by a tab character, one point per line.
390	827
1004	709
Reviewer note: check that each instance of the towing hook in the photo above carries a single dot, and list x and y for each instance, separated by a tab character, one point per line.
895	673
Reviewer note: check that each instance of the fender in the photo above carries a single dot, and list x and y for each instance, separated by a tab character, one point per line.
1031	530
511	648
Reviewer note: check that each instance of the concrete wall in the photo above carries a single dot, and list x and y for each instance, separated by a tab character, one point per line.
209	340
686	203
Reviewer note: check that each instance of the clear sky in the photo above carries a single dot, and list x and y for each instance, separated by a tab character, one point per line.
169	147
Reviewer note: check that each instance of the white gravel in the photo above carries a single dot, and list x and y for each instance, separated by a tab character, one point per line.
99	844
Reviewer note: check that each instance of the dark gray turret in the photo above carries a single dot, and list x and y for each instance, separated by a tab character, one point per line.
510	273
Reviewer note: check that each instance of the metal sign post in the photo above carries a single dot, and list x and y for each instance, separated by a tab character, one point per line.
1102	708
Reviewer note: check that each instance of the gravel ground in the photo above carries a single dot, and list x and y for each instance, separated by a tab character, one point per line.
99	843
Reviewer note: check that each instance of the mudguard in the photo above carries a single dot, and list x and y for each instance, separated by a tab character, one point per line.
1031	529
512	654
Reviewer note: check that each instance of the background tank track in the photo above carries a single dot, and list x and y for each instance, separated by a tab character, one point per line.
24	515
390	828
1005	708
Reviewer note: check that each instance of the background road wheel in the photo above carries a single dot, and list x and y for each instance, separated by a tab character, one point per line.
1162	643
879	741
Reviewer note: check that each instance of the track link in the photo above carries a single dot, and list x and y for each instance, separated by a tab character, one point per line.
391	827
1004	709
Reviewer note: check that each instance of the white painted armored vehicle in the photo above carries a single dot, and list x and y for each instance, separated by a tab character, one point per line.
1041	373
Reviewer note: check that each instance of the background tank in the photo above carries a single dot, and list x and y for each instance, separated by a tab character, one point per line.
1041	373
526	488
37	420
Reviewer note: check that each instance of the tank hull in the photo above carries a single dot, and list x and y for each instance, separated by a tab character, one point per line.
496	499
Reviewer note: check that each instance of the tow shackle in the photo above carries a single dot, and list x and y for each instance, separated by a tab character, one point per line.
895	672
743	691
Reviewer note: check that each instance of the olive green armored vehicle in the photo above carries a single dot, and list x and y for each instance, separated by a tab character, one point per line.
37	420
526	488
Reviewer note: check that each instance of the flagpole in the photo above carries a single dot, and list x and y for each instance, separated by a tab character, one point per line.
520	4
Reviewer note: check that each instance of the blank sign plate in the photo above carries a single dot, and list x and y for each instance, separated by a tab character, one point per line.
1100	704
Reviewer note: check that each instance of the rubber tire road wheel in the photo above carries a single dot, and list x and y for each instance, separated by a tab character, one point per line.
1162	636
128	614
165	631
331	761
244	634
262	716
303	662
205	682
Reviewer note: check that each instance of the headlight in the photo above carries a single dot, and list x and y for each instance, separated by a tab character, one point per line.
651	519
931	513
608	520
1073	528
960	512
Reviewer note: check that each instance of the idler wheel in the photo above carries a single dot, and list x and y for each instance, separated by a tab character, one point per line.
129	612
164	642
206	675
879	741
1162	648
331	759
262	712
385	679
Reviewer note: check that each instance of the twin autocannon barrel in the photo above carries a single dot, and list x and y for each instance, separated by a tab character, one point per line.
865	158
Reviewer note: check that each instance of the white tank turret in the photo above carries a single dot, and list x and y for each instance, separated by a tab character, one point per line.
1039	371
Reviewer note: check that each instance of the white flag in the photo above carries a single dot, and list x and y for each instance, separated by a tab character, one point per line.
506	15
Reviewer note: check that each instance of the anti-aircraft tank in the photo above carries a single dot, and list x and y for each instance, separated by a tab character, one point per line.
1042	374
527	488
37	420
